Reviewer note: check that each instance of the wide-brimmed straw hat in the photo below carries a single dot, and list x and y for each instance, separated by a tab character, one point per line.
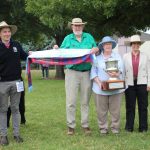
13	28
134	38
107	39
76	21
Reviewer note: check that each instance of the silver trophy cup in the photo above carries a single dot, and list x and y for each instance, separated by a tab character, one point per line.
113	83
112	66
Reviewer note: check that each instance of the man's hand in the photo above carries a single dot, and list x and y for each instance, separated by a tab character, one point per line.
148	88
55	47
94	50
30	52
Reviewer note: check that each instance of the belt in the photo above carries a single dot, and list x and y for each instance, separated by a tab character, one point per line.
80	70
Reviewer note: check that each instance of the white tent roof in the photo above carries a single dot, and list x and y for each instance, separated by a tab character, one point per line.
146	48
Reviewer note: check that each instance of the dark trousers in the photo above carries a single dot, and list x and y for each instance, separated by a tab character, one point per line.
140	93
21	110
45	72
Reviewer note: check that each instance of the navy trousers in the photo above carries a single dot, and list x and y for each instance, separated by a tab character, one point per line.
139	93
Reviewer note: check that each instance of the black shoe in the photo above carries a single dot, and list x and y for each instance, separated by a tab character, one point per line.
18	139
129	130
23	122
142	130
4	140
8	125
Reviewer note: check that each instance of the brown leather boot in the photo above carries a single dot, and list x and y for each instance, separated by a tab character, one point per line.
4	140
70	131
87	130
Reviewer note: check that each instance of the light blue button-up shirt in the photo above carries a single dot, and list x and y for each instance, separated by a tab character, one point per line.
99	70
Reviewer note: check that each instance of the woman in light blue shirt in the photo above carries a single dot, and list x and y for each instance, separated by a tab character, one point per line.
107	100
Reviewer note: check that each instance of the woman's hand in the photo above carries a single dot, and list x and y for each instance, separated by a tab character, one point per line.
103	86
97	80
113	74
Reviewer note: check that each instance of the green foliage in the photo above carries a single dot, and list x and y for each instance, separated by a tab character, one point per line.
30	29
103	16
49	12
39	18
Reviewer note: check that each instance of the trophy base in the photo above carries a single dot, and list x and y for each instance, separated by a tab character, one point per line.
113	85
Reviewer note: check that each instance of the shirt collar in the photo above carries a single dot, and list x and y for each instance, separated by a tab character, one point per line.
111	56
136	55
10	42
74	37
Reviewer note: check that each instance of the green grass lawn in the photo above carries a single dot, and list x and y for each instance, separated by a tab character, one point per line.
45	128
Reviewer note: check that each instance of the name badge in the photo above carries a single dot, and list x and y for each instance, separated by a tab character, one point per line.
20	86
15	49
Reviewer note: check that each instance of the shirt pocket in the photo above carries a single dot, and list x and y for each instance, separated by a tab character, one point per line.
87	46
73	45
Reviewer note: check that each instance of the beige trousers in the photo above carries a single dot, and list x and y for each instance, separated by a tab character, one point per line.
75	81
112	104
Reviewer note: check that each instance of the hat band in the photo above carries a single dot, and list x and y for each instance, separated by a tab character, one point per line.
78	22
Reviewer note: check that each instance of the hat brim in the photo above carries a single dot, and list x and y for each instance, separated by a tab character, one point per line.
77	23
13	28
128	43
100	45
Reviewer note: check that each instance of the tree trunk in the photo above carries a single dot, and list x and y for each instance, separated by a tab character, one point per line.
59	69
60	72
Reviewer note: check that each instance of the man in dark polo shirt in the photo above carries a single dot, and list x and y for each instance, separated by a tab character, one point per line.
11	86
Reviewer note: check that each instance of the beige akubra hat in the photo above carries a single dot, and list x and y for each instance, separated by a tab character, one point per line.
76	21
134	38
13	28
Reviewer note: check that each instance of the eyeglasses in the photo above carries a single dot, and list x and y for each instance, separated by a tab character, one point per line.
77	26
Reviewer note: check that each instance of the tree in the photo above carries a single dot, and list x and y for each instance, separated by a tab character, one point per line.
50	18
105	17
50	14
29	27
